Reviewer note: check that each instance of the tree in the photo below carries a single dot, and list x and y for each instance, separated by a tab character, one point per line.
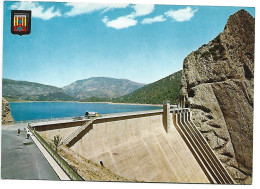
57	141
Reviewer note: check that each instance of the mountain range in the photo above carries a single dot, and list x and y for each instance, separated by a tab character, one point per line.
96	89
14	90
166	89
101	87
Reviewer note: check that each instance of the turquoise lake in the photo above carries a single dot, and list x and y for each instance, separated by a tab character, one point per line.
22	111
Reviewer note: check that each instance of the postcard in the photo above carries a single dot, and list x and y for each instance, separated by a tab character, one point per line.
127	92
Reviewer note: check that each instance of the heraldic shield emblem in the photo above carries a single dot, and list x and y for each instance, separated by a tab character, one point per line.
21	22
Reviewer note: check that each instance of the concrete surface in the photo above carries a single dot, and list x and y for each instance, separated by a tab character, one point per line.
20	157
58	170
137	147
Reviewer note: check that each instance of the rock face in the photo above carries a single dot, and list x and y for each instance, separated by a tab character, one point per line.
6	113
218	85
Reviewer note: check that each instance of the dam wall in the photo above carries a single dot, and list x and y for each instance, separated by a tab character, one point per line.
137	146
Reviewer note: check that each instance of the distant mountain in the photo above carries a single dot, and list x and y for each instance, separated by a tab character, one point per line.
24	90
101	87
97	89
156	93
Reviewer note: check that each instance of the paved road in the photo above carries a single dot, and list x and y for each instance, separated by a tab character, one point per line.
20	157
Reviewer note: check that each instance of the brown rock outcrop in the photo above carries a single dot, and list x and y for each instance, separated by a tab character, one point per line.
218	85
6	113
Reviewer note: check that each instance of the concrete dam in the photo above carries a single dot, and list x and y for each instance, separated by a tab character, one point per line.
150	146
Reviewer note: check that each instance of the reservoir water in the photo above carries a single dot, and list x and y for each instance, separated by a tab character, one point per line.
22	111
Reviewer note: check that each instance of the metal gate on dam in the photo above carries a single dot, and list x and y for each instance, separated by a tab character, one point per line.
152	146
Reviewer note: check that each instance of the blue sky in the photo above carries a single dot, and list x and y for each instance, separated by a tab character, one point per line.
74	41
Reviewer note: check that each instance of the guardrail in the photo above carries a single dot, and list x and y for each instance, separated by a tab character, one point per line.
83	117
62	163
49	119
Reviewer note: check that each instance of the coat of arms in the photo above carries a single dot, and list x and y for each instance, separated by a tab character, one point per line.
21	22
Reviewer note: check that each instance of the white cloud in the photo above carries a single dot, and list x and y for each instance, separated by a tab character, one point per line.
181	14
37	10
121	22
159	18
85	8
142	10
129	20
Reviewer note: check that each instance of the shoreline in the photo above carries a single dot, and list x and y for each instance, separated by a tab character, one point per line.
90	102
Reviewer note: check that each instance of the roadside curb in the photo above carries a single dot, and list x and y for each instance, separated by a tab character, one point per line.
61	174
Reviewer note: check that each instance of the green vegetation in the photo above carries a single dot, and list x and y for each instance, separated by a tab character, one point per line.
62	163
196	53
217	47
205	54
10	99
154	93
56	141
29	91
157	92
96	99
217	51
57	96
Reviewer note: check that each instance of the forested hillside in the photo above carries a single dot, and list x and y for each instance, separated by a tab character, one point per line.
155	93
29	91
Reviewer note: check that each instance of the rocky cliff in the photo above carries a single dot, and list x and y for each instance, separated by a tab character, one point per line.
6	113
218	85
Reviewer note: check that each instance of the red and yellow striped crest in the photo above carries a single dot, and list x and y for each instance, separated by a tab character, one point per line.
20	22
